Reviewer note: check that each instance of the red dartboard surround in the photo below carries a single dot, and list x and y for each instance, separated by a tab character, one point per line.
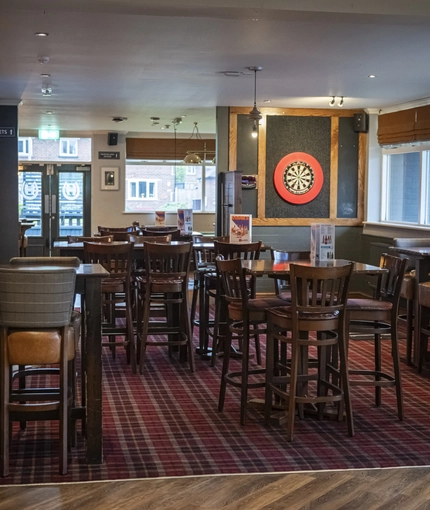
298	178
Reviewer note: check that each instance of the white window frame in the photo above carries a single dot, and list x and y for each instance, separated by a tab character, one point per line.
148	183
28	142
70	142
423	149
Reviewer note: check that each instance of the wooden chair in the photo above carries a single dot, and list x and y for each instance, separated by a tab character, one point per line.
117	259
116	236
213	291
130	229
138	238
316	319
175	233
379	316
165	285
282	287
35	312
246	317
203	263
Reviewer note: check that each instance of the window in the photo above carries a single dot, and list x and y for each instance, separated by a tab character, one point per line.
164	186
24	147
142	190
406	185
68	147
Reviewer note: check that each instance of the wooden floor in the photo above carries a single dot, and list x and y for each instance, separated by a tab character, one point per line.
403	488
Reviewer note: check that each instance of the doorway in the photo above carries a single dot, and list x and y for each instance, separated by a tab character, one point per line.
57	199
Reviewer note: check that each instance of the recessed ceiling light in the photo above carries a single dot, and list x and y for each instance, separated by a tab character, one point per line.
118	119
43	60
372	76
267	100
45	75
49	112
41	34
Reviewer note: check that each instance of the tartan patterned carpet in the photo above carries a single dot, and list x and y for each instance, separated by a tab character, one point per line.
166	423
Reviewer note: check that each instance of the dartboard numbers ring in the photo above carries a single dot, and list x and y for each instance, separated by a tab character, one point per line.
298	178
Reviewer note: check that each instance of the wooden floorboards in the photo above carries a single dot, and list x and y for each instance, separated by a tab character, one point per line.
382	489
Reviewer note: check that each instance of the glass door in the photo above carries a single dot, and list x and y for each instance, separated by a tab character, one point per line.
57	199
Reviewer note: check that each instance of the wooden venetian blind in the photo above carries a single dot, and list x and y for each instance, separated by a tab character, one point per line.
165	149
405	126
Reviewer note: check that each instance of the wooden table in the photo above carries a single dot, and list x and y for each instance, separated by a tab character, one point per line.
421	257
272	268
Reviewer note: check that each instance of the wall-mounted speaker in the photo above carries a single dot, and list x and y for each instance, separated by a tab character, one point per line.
112	139
361	122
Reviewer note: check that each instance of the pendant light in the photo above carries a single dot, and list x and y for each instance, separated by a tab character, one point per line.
192	157
255	114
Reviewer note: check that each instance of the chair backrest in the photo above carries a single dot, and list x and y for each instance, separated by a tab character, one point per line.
167	259
390	284
246	251
210	239
116	229
33	297
161	231
45	261
233	280
94	239
115	257
116	236
319	289
139	238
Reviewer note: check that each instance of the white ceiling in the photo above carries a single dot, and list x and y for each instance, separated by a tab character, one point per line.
166	58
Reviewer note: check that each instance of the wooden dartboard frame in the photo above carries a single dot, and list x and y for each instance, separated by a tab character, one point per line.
261	219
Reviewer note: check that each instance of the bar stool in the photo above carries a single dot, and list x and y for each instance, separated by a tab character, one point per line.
35	312
379	316
318	302
246	317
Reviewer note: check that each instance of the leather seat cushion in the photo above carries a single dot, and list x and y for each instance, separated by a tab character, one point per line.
363	304
285	312
38	347
257	308
408	287
424	294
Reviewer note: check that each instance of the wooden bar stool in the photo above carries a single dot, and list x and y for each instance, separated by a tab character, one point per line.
424	304
316	319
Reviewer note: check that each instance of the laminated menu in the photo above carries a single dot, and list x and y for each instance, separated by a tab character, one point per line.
160	218
322	241
240	228
185	221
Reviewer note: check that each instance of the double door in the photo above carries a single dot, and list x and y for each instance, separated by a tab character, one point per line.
57	199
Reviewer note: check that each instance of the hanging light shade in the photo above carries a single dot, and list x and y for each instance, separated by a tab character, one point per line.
255	114
192	159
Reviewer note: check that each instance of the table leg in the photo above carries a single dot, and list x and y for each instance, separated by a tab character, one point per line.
93	365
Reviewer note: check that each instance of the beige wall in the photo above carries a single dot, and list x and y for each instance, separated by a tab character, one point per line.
107	207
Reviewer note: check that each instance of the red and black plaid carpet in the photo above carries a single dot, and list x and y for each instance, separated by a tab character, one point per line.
166	423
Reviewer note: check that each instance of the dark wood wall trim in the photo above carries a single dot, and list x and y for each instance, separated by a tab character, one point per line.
334	115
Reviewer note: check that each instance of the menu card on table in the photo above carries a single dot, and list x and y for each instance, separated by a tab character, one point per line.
322	241
185	221
240	228
160	218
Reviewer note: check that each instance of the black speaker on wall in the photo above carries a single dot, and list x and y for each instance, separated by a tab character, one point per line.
361	122
112	138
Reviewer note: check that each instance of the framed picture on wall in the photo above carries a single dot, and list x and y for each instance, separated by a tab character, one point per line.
110	178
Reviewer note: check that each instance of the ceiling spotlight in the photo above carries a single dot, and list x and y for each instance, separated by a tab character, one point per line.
176	121
340	103
41	34
331	103
43	60
372	76
46	91
45	75
118	119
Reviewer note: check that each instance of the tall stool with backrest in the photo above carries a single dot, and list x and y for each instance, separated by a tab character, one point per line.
379	316
117	258
246	317
316	319
35	312
213	290
165	284
424	307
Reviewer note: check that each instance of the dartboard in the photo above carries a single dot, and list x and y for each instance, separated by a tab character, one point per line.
298	178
